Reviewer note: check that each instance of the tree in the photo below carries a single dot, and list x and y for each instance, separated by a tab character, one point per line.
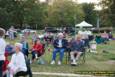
21	12
33	13
108	12
112	12
63	13
90	13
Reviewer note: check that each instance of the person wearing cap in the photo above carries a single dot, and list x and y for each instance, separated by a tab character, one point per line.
60	45
17	63
2	49
76	46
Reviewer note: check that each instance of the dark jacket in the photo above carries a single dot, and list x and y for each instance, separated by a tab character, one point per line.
64	43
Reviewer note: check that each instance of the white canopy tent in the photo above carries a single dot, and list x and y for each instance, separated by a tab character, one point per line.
83	24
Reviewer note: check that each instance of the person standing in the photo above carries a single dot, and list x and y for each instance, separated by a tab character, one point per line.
11	33
25	46
34	37
2	49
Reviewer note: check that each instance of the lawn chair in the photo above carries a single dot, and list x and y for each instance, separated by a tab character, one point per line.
82	58
27	73
67	55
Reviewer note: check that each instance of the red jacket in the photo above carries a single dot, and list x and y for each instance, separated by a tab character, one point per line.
6	62
38	48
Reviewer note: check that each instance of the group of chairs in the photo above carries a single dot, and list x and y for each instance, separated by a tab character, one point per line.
82	59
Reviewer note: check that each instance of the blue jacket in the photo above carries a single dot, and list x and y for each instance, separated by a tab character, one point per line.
64	43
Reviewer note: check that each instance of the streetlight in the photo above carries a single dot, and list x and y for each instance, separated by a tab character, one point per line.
98	9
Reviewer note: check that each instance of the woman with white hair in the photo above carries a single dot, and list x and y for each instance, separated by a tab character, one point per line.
17	62
60	45
2	49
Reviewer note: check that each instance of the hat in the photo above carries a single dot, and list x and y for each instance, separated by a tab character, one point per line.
18	45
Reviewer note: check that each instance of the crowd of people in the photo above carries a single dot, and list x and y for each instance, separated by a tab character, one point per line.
20	51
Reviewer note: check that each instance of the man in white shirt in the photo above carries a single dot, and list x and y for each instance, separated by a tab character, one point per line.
18	62
2	49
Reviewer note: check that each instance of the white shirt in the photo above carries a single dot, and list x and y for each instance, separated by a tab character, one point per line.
2	48
18	61
60	43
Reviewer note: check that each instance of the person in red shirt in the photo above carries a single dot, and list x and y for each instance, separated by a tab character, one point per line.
4	67
37	49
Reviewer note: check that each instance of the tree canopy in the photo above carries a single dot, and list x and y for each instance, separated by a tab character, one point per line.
20	13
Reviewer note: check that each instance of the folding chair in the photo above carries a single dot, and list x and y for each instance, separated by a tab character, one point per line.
82	57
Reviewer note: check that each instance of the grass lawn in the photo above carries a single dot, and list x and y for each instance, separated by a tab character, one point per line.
101	61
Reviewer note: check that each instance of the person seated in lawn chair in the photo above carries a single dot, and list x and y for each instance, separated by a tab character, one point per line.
105	37
48	37
25	46
60	45
4	67
76	48
17	62
37	49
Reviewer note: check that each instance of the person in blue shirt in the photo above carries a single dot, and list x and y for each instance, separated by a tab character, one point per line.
60	45
76	46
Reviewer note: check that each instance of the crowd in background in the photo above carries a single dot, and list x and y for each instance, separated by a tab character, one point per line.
60	42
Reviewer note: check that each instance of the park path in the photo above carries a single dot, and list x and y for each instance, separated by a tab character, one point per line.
63	74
